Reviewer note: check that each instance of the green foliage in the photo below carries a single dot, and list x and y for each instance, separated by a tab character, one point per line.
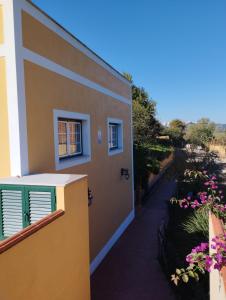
175	135
146	128
147	160
201	133
128	76
145	125
141	119
176	132
177	124
198	223
144	164
159	151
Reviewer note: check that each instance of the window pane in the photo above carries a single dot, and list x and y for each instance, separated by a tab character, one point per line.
75	138
113	136
62	137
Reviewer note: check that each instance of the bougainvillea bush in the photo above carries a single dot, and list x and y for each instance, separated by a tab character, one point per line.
200	261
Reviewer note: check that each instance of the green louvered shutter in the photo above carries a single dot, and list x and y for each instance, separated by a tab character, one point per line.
21	206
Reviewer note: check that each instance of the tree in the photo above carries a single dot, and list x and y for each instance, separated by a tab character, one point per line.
145	125
128	76
177	124
201	133
176	132
145	128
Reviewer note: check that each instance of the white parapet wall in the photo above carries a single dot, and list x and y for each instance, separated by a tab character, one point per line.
217	279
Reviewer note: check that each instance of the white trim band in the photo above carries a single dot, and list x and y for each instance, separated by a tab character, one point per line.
101	255
54	67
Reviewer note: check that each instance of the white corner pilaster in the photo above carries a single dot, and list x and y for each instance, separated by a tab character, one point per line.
15	87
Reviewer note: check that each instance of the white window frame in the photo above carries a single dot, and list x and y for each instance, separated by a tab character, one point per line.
119	123
74	160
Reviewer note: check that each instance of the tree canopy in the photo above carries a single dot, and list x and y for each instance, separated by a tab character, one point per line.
177	124
145	125
201	133
176	132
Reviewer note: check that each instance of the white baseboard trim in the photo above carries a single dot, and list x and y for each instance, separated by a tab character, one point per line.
101	255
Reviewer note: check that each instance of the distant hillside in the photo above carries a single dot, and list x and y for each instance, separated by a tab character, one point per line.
221	126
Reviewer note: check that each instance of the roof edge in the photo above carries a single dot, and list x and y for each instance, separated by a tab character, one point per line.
78	40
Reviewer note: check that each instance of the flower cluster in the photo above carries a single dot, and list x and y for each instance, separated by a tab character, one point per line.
200	261
212	183
211	198
219	255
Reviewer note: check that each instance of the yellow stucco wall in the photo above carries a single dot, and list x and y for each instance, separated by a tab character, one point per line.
4	133
50	45
1	25
53	263
46	91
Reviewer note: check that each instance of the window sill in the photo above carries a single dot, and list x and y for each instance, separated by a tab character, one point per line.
69	162
115	151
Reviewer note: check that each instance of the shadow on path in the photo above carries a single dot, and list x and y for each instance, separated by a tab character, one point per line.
131	270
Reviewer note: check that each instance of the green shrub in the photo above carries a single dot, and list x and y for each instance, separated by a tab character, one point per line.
147	158
197	223
158	151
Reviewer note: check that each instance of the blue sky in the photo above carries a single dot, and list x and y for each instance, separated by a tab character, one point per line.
176	49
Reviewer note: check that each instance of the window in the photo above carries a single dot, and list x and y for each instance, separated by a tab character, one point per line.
69	137
21	206
72	139
115	136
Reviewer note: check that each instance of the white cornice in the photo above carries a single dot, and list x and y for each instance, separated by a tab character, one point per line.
52	66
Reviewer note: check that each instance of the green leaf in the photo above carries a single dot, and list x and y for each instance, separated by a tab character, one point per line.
185	278
191	274
196	276
178	271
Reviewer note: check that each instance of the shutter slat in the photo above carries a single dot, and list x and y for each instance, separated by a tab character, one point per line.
11	193
39	193
39	204
40	199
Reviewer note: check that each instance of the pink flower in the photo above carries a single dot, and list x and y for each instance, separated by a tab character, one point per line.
208	262
214	187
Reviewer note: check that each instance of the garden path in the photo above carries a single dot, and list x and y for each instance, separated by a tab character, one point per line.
131	270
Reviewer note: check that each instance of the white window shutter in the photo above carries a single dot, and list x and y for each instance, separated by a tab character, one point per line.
40	205
12	212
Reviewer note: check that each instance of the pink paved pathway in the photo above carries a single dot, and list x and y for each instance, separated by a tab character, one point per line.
131	270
